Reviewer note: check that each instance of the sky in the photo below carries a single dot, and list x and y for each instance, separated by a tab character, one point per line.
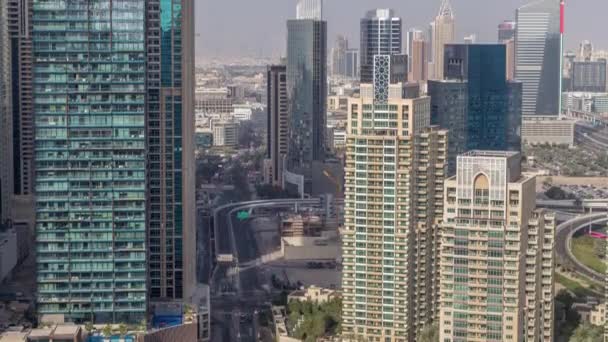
257	28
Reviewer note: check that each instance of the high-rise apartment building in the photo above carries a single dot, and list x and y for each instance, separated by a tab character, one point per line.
538	57
442	32
307	93
475	101
6	116
497	254
170	146
278	124
89	106
395	167
113	83
506	35
381	34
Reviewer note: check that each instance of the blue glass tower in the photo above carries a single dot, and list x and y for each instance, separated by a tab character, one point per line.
90	158
475	101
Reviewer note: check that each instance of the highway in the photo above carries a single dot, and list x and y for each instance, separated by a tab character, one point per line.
563	240
238	294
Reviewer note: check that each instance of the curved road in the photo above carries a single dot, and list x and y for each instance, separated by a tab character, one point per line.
563	239
244	286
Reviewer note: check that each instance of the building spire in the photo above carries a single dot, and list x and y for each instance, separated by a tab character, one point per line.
446	9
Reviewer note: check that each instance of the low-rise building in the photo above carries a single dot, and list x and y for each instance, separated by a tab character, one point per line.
314	294
225	134
543	130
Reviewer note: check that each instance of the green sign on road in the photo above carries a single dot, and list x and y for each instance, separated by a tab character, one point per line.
242	215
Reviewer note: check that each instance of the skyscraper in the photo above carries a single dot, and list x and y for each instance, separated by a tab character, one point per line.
278	123
6	116
170	147
442	29
309	9
352	63
381	34
482	119
114	154
506	35
418	59
307	93
394	178
506	30
20	28
338	56
538	57
412	35
489	292
588	76
585	51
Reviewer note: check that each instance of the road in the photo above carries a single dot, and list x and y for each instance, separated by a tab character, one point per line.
563	239
238	293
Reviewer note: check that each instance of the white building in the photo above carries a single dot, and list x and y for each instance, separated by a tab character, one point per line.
547	130
497	253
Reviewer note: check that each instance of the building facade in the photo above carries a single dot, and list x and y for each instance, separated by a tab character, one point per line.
6	116
278	121
352	63
307	94
113	106
90	111
589	76
381	34
20	29
418	61
475	101
489	291
338	56
395	165
538	57
170	146
442	32
506	35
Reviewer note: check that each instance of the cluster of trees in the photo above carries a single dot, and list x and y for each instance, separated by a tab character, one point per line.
309	320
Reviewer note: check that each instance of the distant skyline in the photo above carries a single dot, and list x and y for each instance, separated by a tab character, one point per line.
246	28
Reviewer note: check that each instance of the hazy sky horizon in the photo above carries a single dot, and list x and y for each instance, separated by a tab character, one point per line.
257	28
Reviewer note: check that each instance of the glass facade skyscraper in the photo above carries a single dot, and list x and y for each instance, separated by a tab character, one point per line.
307	93
484	119
89	108
381	34
538	55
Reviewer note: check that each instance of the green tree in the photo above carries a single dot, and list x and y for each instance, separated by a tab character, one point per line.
107	330
88	326
122	329
588	332
429	333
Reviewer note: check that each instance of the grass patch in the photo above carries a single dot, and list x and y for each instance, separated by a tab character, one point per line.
584	251
578	289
